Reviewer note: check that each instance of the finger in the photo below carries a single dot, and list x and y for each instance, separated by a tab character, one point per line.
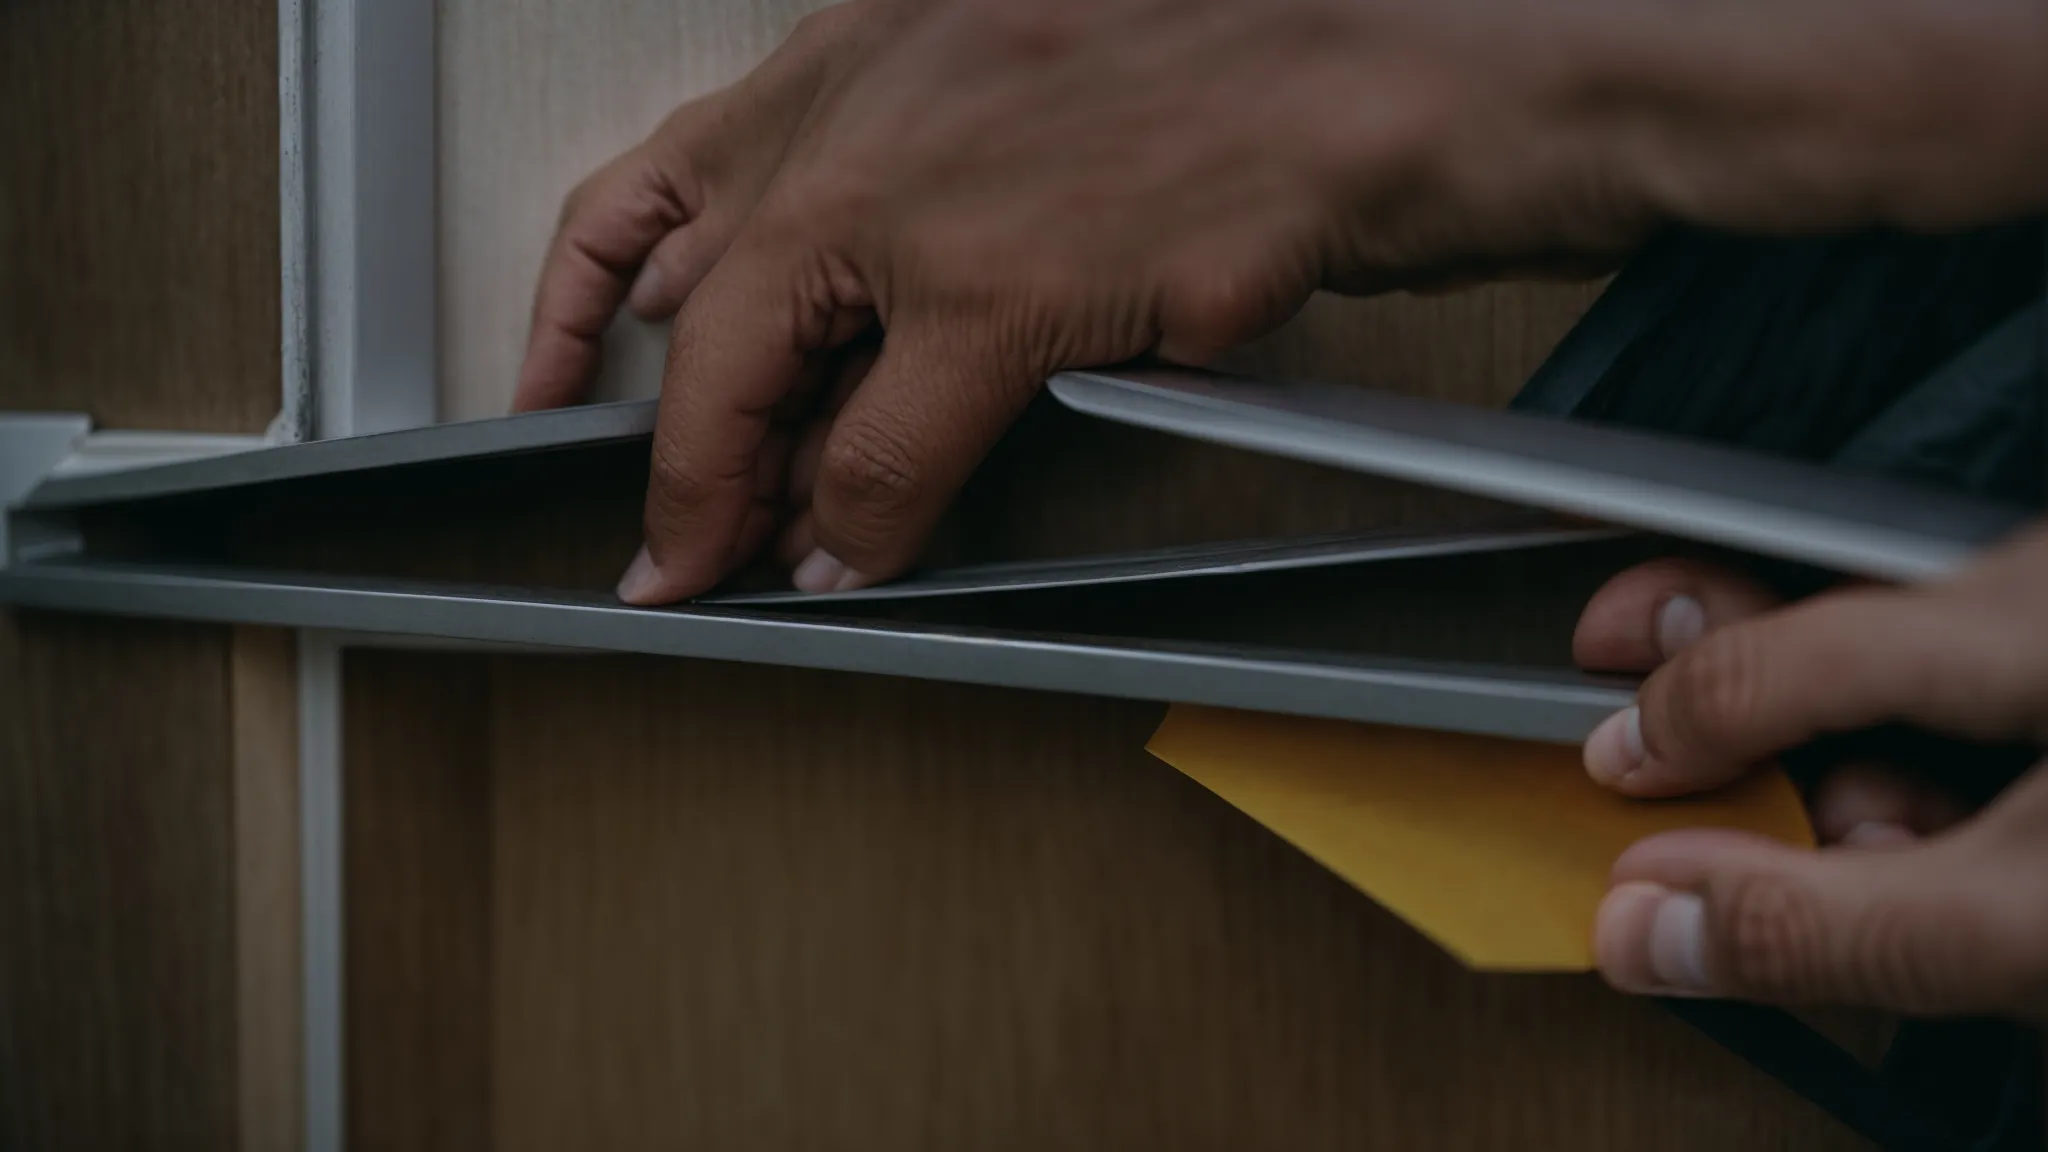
758	523
809	452
608	227
930	409
1872	805
1648	613
739	345
1836	663
796	540
1212	303
678	263
1923	929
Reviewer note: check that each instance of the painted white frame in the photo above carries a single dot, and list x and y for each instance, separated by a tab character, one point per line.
356	164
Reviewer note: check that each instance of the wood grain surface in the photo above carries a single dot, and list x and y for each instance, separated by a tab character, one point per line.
138	212
142	959
263	679
416	783
118	992
752	908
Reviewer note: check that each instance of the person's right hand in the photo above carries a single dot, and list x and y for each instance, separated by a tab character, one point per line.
1912	904
644	229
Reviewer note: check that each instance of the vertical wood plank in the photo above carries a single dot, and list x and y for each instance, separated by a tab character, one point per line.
117	887
263	665
138	212
417	898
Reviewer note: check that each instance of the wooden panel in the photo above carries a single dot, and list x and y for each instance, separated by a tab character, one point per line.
138	212
416	802
263	671
757	909
149	952
117	886
534	96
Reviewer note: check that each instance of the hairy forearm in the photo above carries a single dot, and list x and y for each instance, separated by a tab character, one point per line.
1795	115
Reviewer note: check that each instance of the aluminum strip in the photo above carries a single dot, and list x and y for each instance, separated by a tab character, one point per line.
1235	558
532	432
1524	703
1764	504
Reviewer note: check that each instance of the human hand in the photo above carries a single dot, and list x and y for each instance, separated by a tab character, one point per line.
643	230
1013	189
1911	905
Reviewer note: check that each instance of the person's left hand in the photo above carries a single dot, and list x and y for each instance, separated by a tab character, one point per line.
1911	904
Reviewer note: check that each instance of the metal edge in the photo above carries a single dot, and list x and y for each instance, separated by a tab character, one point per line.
531	432
32	443
1231	558
1522	703
1766	528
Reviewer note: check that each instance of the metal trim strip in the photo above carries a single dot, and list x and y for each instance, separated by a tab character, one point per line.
1522	703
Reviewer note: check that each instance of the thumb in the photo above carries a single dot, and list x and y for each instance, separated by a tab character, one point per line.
1925	930
907	440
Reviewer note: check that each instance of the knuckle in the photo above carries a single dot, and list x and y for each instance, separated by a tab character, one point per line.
867	473
1771	938
578	197
1716	690
1899	965
1218	308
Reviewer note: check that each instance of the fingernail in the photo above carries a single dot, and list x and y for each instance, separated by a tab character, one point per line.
638	585
822	572
1620	929
1878	834
645	295
1678	943
1679	622
1615	748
